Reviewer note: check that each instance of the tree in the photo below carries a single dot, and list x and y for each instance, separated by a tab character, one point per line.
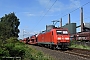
9	25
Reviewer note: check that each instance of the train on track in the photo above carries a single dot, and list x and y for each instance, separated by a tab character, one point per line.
53	37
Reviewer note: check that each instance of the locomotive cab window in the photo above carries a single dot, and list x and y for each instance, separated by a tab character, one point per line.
65	32
61	32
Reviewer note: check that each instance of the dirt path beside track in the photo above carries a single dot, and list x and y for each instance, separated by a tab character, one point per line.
58	55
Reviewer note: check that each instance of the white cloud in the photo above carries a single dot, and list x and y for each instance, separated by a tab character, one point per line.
60	6
36	14
74	4
29	14
45	3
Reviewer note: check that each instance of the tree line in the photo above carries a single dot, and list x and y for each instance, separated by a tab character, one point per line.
9	26
9	44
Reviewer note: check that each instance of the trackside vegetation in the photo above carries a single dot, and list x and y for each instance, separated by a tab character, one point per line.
73	44
10	47
14	48
32	54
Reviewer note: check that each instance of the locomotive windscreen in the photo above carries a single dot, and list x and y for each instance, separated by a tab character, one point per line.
61	32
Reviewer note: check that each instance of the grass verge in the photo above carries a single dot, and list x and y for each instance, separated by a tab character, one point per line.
80	46
33	54
74	45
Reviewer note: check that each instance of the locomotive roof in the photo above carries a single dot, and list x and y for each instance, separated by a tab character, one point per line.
53	28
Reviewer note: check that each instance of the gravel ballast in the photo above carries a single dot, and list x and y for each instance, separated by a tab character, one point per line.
58	55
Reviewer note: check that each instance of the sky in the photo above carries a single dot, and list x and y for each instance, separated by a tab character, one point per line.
34	15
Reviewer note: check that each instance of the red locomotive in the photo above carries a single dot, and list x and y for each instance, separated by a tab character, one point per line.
53	38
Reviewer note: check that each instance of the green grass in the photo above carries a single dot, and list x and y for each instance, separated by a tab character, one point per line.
73	45
33	54
80	46
14	48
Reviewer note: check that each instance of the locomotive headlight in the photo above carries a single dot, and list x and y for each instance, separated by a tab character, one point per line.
59	38
66	38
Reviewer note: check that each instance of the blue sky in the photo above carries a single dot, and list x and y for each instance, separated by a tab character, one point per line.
34	17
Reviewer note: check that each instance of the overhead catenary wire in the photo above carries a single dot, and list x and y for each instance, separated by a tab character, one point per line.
45	7
76	9
46	12
63	15
42	13
85	4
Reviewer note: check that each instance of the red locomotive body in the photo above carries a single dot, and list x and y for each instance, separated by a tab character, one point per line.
56	37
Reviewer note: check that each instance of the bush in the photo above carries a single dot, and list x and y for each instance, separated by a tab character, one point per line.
20	43
12	40
0	43
72	42
14	48
17	51
4	53
9	46
33	54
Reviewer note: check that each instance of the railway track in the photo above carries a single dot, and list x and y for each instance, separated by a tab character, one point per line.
79	52
71	54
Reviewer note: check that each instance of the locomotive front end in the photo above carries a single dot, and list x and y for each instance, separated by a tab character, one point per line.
63	39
